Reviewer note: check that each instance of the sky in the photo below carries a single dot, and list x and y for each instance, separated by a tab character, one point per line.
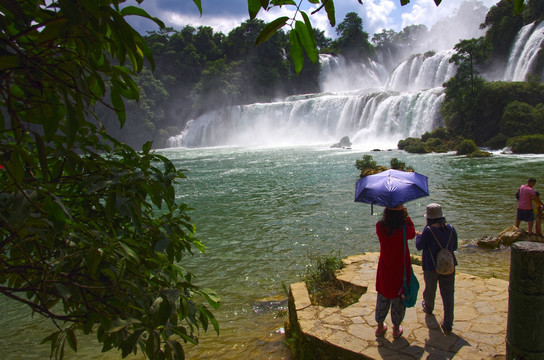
224	15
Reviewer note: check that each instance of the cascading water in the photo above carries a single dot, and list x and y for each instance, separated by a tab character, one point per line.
524	52
407	103
336	75
422	72
371	119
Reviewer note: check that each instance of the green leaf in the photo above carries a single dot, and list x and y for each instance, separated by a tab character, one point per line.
118	104
72	339
404	2
16	91
270	29
264	4
42	156
130	252
72	124
519	5
174	350
55	213
129	345
93	259
329	8
63	291
437	2
212	297
198	5
146	147
306	35
297	54
253	6
70	10
9	61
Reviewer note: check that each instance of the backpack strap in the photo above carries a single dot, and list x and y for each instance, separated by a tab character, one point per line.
448	244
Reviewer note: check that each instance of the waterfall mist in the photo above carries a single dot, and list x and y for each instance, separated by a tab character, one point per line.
371	104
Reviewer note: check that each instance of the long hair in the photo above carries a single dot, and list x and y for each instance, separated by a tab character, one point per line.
393	219
440	221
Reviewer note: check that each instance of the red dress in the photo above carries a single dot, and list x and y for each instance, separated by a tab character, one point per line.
390	272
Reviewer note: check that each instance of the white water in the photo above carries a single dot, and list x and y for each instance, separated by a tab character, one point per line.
524	53
374	108
422	72
371	119
370	115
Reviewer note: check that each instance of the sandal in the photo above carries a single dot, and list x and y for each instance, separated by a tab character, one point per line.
397	332
381	332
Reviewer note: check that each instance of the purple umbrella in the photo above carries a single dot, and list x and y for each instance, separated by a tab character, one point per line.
391	188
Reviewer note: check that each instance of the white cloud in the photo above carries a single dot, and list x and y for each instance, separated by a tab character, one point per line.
222	24
378	14
427	13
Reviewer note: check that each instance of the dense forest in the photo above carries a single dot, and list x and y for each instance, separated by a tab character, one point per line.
198	70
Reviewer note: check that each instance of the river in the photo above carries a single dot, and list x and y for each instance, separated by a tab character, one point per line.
264	213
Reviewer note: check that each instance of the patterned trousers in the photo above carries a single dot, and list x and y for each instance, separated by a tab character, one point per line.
382	308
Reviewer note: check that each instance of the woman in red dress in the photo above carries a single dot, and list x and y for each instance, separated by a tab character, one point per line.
389	278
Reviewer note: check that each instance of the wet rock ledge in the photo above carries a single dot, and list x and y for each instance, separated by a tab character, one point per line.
479	332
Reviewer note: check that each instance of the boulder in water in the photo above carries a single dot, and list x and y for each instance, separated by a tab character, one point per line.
343	144
507	237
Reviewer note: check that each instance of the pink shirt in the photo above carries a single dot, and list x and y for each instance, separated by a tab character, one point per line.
525	194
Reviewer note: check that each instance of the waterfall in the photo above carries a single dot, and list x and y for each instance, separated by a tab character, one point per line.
524	52
337	75
371	119
422	72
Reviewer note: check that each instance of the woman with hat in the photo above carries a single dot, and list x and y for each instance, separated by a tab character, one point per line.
394	253
438	235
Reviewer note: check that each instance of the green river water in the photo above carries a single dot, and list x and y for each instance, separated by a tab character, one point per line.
265	212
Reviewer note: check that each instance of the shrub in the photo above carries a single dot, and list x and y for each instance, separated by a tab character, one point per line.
436	145
366	163
438	133
496	142
466	147
527	144
397	164
519	118
402	144
323	286
416	148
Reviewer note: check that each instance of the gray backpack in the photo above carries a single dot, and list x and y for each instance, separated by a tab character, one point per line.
445	263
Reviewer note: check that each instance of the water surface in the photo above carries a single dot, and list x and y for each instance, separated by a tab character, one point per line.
264	213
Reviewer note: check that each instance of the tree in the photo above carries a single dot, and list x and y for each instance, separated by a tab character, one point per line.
353	41
91	234
301	34
469	56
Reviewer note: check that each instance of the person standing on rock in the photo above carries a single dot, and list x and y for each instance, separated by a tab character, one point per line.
437	235
389	277
525	204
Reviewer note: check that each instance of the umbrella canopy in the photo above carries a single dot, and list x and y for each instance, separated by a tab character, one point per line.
391	188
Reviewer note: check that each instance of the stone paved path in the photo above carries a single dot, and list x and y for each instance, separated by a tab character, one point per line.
479	331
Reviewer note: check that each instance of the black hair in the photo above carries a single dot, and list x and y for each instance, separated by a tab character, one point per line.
441	221
531	179
393	219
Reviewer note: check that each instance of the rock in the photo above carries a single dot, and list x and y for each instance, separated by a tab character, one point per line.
507	237
488	242
344	143
513	234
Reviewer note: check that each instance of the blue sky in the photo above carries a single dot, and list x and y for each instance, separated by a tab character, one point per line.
223	15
